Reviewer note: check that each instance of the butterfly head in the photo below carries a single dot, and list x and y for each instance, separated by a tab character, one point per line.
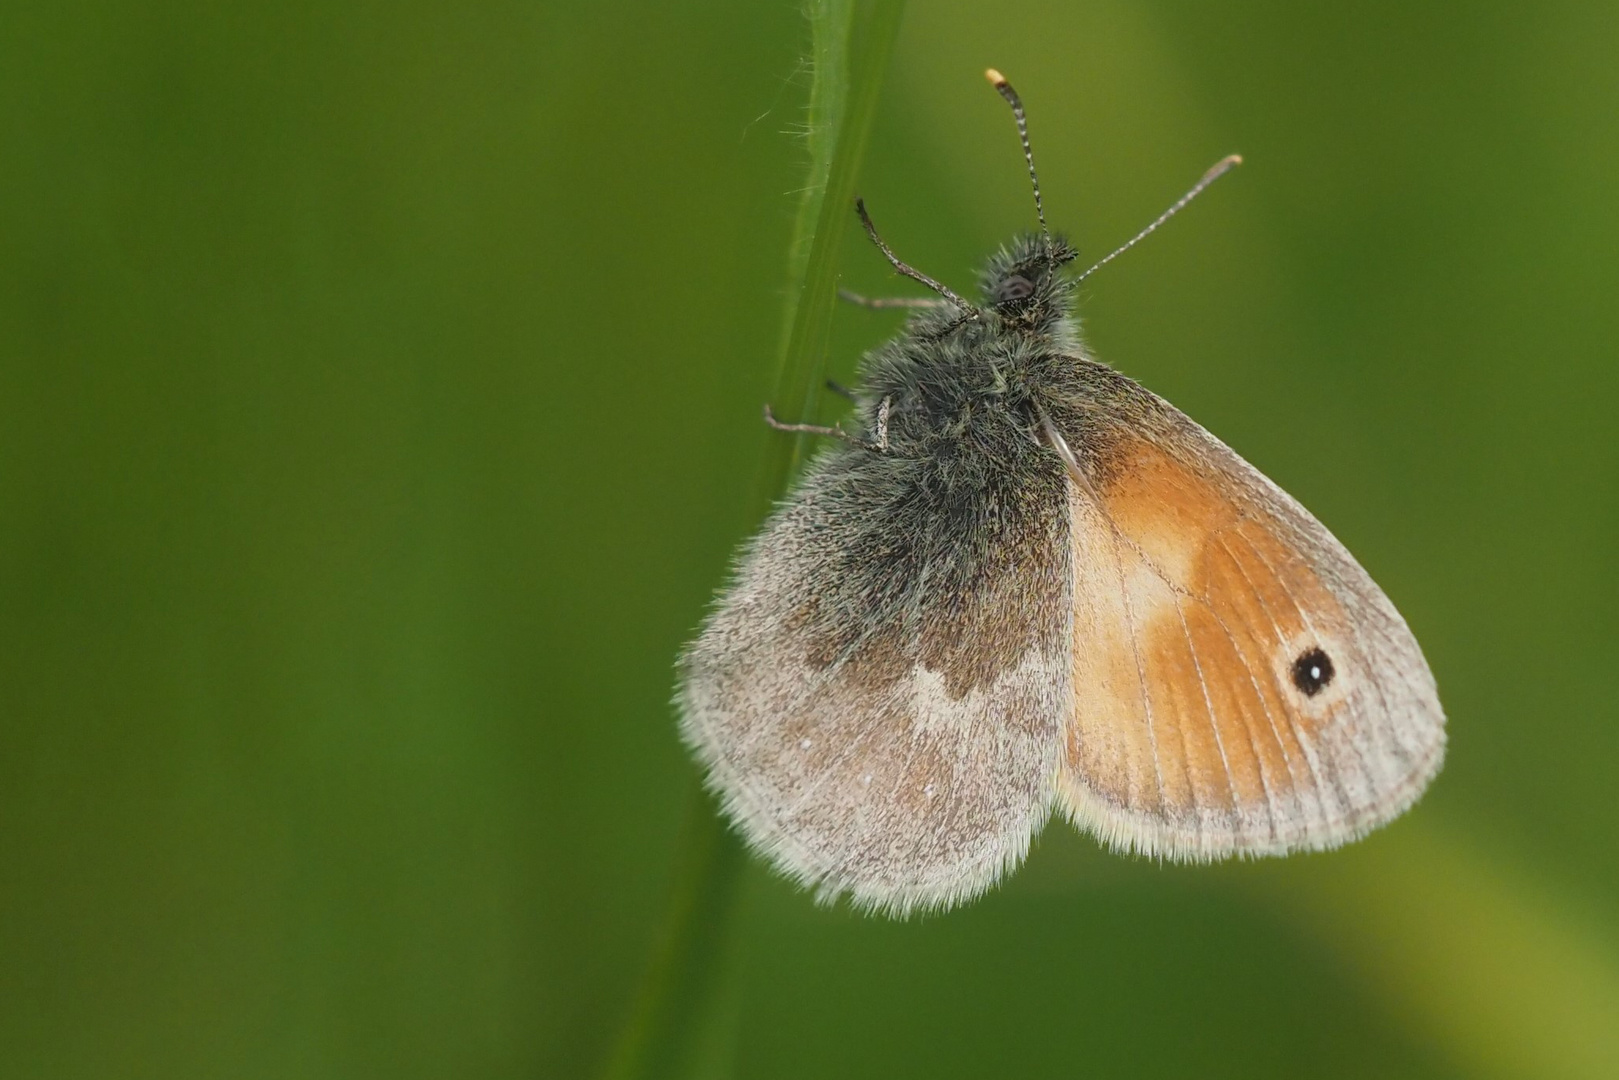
1024	282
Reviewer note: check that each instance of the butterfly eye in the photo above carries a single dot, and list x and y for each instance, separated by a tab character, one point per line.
1012	289
1312	671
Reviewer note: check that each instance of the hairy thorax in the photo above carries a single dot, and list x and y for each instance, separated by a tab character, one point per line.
978	389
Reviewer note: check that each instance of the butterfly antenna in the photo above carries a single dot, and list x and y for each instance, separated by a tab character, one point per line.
998	81
1223	166
909	271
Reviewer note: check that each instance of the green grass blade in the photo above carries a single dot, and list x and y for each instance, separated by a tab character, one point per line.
853	76
678	1026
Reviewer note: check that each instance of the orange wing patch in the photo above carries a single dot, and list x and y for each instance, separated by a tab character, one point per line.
1192	734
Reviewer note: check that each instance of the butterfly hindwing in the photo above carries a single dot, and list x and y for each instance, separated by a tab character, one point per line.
879	695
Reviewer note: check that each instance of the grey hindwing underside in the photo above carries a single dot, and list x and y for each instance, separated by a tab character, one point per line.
878	696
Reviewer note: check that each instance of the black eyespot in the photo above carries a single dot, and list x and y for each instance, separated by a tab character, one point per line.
1312	671
1013	288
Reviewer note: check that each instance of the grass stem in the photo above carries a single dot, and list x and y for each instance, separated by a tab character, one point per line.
678	1025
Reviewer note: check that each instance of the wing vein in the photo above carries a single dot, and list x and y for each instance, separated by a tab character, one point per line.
1281	693
1083	484
1135	651
1264	706
1214	727
1354	744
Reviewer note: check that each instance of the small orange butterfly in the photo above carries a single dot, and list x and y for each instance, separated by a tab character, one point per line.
1021	582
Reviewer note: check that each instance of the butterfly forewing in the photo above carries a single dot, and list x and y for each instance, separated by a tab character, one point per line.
1240	683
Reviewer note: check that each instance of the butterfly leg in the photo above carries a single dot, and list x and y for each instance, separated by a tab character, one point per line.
891	301
806	429
878	445
881	445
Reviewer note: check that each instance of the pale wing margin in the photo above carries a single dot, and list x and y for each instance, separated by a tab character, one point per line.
1207	747
878	696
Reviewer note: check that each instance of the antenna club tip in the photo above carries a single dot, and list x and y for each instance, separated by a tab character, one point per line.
1220	168
996	79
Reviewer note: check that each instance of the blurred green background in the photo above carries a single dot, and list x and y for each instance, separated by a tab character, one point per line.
379	405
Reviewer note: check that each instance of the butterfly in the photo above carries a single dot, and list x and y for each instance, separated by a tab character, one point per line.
1018	583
